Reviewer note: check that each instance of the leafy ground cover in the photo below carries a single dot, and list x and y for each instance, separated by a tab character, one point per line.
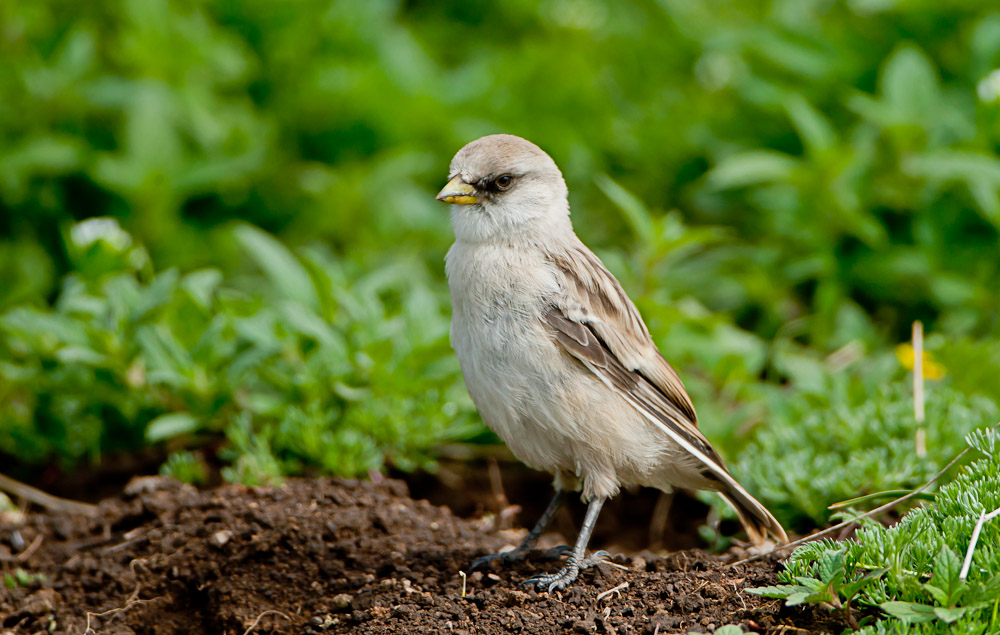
915	571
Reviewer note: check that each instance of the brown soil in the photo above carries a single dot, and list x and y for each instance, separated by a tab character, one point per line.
330	556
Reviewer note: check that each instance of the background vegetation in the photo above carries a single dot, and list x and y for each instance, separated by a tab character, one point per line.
218	230
775	182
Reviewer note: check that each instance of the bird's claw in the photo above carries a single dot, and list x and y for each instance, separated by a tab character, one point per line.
554	553
561	579
594	559
484	561
555	581
519	554
506	557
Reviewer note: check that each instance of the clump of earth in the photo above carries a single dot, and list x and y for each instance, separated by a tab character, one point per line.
336	556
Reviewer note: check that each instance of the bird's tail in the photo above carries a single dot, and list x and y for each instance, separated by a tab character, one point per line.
757	521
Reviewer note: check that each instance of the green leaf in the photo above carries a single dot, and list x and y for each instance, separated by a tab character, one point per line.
201	285
171	425
850	589
80	355
810	583
823	597
949	615
982	593
165	356
798	598
953	165
304	321
946	586
909	83
985	440
812	127
635	211
286	272
779	592
909	611
44	330
831	566
754	167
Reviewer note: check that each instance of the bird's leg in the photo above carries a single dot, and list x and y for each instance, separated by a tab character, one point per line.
576	560
529	541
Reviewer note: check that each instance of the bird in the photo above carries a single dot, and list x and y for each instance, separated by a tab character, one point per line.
557	358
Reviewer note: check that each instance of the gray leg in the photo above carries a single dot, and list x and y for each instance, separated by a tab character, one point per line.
529	541
576	560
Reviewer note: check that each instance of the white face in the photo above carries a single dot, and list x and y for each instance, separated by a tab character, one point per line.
503	185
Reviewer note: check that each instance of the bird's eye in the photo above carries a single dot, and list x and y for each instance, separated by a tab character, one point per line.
504	181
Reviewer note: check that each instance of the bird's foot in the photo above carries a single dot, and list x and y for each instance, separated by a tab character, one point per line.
507	557
594	559
562	579
517	555
555	581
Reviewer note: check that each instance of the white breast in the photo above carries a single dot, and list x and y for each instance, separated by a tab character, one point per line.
552	413
507	357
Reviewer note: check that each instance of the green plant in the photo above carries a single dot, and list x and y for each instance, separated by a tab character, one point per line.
22	578
953	597
853	439
845	150
187	467
310	366
830	586
911	570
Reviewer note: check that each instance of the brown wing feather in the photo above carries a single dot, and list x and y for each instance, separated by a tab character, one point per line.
597	324
583	343
602	303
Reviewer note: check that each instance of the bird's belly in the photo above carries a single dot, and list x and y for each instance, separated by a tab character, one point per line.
552	413
508	368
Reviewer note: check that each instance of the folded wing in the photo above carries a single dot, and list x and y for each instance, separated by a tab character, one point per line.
595	322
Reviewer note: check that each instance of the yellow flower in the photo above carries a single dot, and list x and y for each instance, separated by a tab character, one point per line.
932	369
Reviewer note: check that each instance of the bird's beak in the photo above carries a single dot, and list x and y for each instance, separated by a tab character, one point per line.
458	192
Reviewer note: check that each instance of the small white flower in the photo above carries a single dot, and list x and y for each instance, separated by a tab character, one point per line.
989	87
87	232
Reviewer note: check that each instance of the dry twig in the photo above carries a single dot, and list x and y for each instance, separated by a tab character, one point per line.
259	617
983	518
618	589
48	501
132	600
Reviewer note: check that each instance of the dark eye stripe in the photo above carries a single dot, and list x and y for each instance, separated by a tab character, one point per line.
496	184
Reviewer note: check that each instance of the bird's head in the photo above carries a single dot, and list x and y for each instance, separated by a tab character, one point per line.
502	185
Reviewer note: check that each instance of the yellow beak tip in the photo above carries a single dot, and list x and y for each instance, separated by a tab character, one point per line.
458	199
458	192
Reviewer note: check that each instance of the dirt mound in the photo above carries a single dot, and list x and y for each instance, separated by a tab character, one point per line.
333	556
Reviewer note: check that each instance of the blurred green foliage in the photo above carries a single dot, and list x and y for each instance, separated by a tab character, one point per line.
828	448
783	186
845	150
313	364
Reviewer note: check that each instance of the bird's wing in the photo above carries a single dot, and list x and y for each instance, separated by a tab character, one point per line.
595	322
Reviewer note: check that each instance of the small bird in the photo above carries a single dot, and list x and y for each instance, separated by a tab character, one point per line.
556	356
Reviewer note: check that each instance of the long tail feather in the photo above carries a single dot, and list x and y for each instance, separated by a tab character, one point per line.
757	521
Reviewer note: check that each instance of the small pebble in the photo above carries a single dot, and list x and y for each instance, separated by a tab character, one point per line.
342	601
220	538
